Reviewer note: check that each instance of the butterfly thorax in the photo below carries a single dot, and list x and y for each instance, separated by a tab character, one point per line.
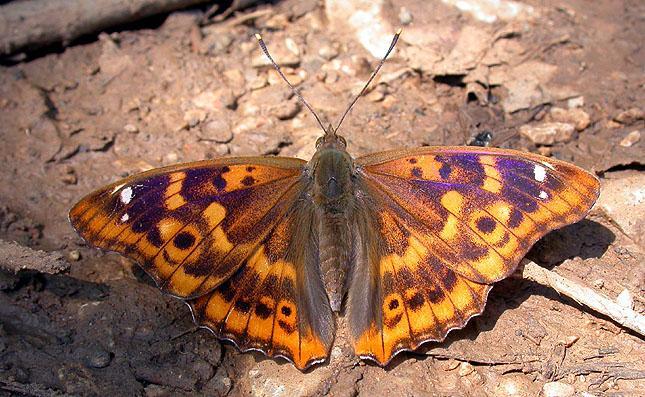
333	195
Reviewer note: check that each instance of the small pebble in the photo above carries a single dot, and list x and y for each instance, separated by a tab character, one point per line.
545	151
377	94
576	102
328	52
131	128
222	149
630	116
171	157
259	82
405	16
548	133
578	117
450	365
254	373
69	179
388	102
195	116
286	53
294	78
98	359
631	139
570	340
277	22
74	255
235	77
558	389
217	130
465	369
331	77
287	110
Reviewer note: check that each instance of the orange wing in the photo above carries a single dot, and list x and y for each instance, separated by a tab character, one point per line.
276	303
450	221
221	229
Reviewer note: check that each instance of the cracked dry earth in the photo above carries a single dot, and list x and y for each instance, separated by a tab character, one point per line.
563	79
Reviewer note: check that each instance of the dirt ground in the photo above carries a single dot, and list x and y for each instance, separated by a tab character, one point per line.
564	79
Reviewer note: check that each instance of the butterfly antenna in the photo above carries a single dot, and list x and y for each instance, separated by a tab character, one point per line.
295	91
394	40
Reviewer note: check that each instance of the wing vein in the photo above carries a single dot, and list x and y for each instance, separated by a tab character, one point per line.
224	258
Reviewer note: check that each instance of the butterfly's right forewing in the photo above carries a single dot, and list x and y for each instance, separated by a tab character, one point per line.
445	224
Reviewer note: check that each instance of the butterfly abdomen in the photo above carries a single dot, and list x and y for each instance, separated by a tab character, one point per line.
333	196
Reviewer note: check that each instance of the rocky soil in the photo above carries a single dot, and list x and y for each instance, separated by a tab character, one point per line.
564	79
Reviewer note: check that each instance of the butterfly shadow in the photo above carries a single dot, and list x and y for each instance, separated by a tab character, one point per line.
586	239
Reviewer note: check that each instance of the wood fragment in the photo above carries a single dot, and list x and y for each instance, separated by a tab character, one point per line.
586	296
31	24
443	353
15	257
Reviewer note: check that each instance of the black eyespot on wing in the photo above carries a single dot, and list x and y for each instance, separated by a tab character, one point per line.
184	240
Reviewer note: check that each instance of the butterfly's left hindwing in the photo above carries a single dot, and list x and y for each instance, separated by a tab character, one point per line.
228	234
276	304
450	221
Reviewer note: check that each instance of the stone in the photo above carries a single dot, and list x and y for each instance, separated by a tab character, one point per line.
98	359
74	255
286	110
193	117
217	100
405	16
548	133
576	116
215	43
285	53
131	128
259	82
630	139
514	386
465	369
576	102
277	22
328	52
620	199
558	389
218	130
630	116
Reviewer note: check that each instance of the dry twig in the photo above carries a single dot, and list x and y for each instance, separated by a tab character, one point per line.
586	296
29	24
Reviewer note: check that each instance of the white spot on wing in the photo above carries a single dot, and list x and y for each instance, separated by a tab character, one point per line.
539	173
125	218
544	195
126	195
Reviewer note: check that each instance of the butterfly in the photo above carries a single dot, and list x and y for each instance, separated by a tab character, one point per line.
267	251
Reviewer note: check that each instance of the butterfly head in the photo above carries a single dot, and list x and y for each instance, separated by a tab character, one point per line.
331	140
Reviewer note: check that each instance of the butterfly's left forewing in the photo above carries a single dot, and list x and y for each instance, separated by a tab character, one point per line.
228	236
449	222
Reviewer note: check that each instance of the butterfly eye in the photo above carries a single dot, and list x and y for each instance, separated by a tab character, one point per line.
319	141
342	140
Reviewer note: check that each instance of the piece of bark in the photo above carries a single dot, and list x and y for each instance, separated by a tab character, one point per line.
31	24
15	257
